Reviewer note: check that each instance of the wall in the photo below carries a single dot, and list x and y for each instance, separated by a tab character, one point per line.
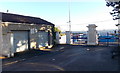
92	38
0	35
9	27
57	38
68	37
0	42
118	27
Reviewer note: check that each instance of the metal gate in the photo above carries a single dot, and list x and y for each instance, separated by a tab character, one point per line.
42	39
79	39
20	41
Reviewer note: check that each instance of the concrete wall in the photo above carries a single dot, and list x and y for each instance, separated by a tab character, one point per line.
68	37
92	35
63	39
50	42
6	44
57	38
0	42
118	27
1	37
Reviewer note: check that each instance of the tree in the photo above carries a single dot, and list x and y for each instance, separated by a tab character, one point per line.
57	29
116	8
116	15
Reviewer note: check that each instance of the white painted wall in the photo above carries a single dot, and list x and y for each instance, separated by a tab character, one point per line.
57	38
1	35
0	38
92	35
0	43
6	50
63	40
118	27
119	24
68	37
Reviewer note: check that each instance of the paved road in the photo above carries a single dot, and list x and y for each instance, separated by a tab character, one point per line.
72	58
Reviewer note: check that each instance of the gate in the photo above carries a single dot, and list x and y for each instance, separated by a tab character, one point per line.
79	38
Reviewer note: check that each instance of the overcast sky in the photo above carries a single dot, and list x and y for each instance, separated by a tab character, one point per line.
83	12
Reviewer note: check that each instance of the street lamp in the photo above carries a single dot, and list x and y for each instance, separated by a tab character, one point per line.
69	16
68	33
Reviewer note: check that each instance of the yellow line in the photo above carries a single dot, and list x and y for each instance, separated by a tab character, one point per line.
11	63
2	57
48	65
44	49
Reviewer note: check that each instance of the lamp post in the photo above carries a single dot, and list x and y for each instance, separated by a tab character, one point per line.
69	16
68	33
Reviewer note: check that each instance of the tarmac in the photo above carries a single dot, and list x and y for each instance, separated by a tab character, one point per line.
64	58
21	56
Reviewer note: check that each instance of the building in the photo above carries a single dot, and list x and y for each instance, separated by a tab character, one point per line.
20	33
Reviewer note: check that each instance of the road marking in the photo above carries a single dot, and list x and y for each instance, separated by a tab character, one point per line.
2	57
61	48
11	63
48	65
14	62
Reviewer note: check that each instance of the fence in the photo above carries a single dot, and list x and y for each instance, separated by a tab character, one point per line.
103	40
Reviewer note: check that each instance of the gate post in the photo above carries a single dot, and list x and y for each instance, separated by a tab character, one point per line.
92	37
57	38
68	37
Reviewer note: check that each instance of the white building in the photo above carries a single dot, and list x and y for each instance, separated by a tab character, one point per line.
19	33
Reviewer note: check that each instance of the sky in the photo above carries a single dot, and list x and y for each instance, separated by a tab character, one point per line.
82	12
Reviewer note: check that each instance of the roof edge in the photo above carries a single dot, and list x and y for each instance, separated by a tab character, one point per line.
26	17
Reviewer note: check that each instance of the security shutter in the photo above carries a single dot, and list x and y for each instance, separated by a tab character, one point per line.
20	40
42	39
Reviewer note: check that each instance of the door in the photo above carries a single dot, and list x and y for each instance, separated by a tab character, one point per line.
42	39
20	41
